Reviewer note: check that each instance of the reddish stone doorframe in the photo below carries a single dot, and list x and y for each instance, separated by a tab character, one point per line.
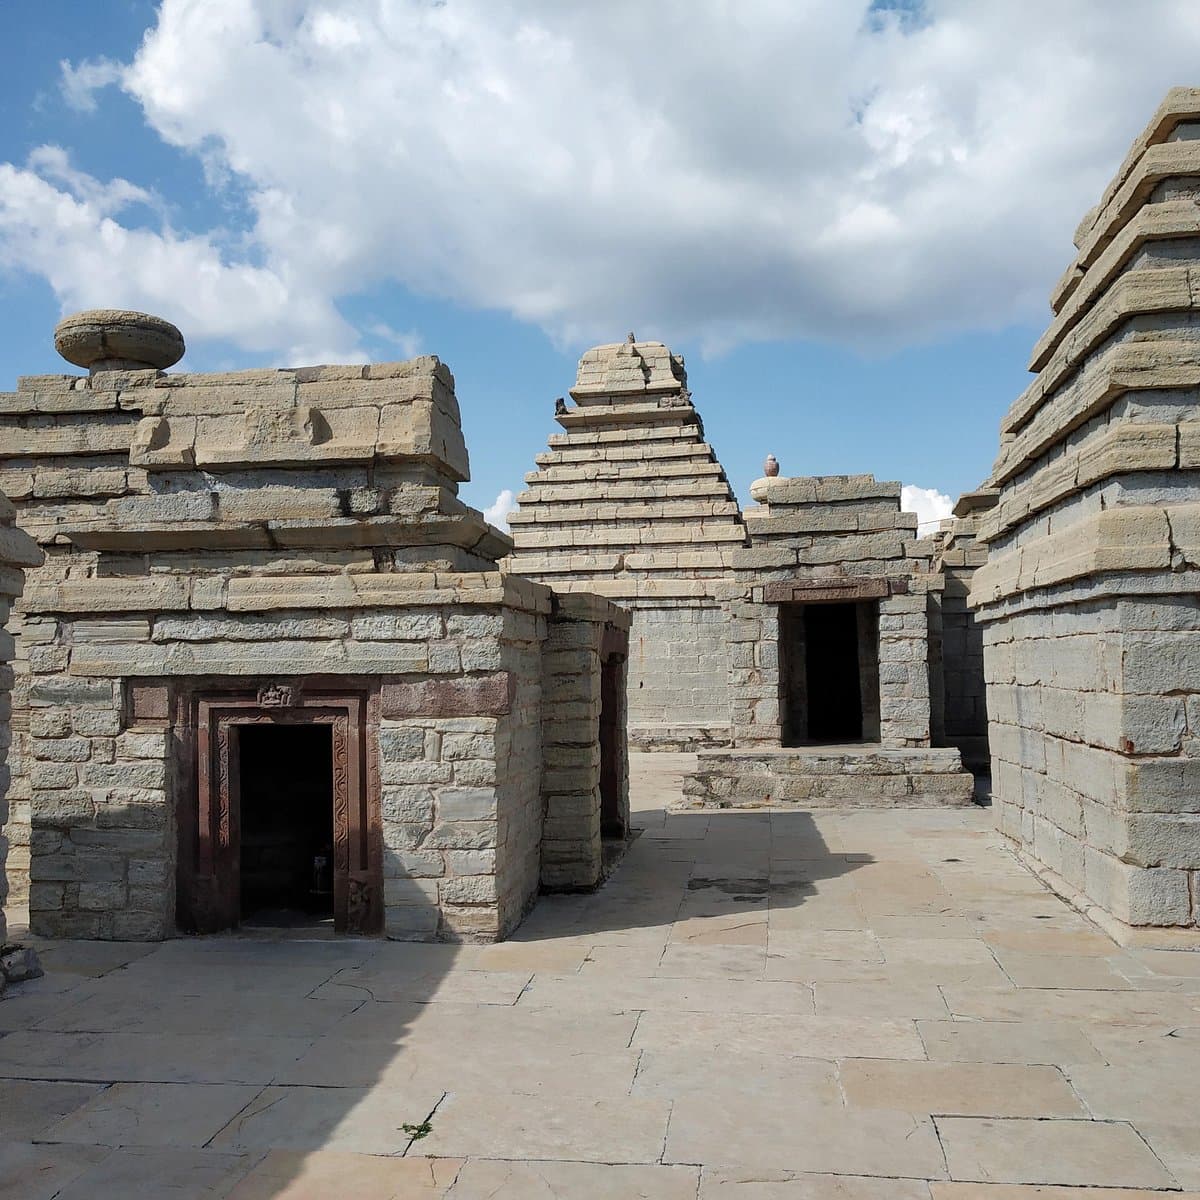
209	814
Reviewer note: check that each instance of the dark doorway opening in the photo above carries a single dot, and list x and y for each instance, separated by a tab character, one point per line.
831	667
829	672
285	793
612	819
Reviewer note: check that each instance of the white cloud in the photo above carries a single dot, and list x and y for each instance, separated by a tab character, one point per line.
497	512
79	84
690	168
930	505
70	235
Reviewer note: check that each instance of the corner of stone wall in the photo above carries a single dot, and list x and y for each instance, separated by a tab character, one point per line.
588	638
521	765
571	848
904	715
451	780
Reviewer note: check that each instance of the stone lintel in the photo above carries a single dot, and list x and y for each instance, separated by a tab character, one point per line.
808	591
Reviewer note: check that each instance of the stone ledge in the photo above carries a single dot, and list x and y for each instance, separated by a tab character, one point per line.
668	738
468	531
842	776
785	490
1121	448
677	412
1136	538
587	606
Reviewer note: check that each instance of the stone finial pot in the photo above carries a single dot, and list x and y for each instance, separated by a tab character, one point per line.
109	339
771	466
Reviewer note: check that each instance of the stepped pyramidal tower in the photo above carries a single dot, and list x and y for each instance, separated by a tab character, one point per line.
631	503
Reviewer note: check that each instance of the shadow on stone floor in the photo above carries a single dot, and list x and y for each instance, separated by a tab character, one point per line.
247	1065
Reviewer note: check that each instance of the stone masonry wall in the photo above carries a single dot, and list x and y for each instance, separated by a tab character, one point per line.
679	673
458	741
1087	599
522	763
1093	760
16	829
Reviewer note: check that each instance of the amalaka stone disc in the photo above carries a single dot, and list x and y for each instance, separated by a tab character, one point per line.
115	338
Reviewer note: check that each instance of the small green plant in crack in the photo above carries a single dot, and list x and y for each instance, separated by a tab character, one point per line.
416	1132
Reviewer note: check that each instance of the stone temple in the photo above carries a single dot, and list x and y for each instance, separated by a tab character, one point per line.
797	646
267	668
270	661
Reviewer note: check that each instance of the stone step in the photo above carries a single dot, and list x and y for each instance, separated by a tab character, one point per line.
701	451
611	510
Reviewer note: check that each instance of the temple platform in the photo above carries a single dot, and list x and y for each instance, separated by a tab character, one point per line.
848	775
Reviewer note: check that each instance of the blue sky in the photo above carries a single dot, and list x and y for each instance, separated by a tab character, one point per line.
846	219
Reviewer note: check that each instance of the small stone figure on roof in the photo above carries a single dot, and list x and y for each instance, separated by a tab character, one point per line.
771	466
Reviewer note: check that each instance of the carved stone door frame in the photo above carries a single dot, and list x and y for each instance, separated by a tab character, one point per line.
209	864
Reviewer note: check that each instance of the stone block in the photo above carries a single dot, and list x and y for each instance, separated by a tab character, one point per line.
1163	840
402	745
468	889
410	864
491	695
466	804
470	862
462	835
62	749
49	723
47	775
416	627
102	896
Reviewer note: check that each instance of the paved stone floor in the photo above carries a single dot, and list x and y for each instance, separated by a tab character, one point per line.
782	1006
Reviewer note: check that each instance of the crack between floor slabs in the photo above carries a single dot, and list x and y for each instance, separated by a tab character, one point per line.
241	1114
633	1031
428	1121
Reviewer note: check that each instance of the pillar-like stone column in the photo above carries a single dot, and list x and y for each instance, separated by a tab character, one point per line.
17	551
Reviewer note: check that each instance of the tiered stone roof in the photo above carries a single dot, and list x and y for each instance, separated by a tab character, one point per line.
1114	393
360	463
630	501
